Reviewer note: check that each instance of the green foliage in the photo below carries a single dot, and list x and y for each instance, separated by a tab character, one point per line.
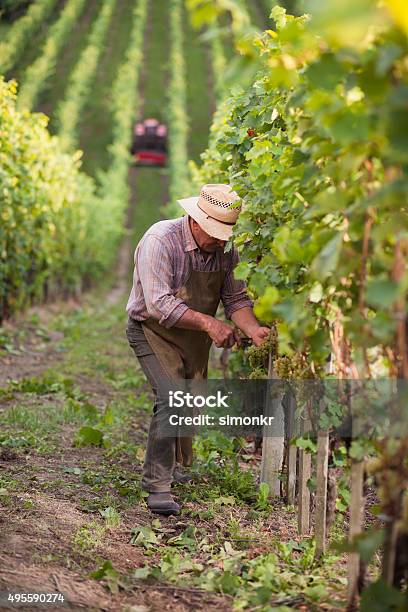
89	436
80	81
11	9
48	383
177	112
266	581
262	500
316	149
144	536
109	576
236	32
88	537
37	74
111	516
22	30
307	444
49	240
381	597
114	187
223	480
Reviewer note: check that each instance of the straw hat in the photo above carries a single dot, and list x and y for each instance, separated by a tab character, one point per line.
216	209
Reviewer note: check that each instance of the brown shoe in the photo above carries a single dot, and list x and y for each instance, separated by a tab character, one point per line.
162	503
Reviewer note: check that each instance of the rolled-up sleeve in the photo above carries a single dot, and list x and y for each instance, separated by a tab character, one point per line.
233	293
154	263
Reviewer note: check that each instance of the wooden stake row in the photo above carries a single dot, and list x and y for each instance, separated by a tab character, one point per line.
298	473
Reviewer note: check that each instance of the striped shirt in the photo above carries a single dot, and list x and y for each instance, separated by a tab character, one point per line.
162	266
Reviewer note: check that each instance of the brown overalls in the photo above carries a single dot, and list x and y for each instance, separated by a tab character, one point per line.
183	354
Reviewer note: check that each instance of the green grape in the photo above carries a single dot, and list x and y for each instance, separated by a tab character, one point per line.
257	374
258	356
293	367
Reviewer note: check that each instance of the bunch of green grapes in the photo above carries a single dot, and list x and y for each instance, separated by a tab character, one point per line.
296	369
293	367
257	374
258	356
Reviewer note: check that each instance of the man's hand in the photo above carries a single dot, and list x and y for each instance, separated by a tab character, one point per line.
259	335
223	335
246	321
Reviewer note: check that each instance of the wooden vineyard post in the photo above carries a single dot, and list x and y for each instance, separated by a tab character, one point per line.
273	438
291	453
305	468
356	525
321	491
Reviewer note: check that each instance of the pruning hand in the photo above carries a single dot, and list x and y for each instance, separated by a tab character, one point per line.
259	335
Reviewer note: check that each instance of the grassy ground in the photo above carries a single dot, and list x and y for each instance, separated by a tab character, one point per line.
71	449
200	99
95	129
150	185
74	415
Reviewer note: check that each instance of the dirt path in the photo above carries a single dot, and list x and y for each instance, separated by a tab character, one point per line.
55	496
74	416
32	345
72	440
68	506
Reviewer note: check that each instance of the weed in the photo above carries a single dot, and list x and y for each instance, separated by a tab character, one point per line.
28	504
262	500
225	479
17	439
126	380
126	449
111	516
49	383
237	534
89	537
89	436
107	574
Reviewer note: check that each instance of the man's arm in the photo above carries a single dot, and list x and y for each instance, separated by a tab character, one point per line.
239	307
246	321
222	334
155	270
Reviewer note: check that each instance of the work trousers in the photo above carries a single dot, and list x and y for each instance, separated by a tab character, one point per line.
160	458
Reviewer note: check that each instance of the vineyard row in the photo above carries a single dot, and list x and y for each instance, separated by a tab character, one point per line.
80	81
125	104
177	108
22	31
37	74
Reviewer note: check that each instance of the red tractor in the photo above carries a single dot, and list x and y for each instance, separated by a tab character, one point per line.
149	147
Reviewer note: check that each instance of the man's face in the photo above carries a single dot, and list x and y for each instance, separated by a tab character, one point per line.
205	242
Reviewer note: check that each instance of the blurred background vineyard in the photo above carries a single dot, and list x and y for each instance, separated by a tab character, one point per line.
94	68
302	106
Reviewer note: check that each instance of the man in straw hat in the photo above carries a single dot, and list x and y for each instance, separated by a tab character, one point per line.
181	274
